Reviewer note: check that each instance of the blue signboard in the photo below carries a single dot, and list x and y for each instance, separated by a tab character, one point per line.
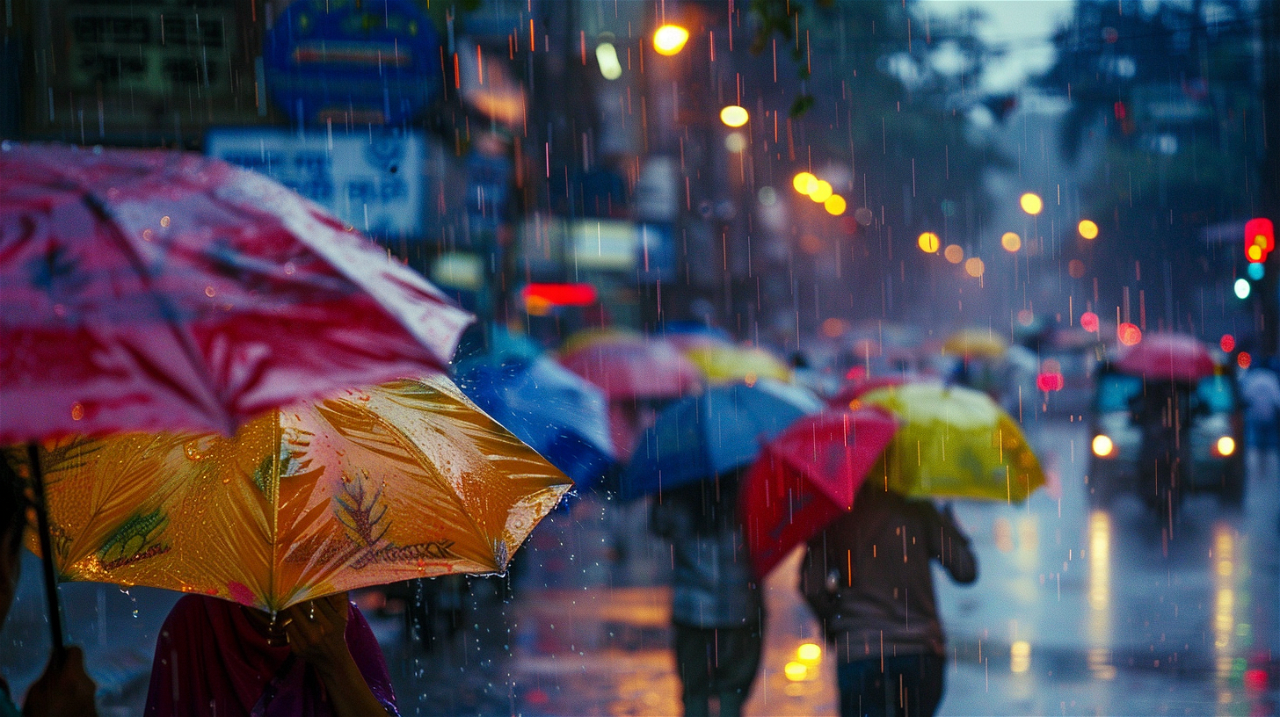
352	61
488	191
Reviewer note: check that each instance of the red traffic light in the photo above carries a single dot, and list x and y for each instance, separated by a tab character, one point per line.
1259	239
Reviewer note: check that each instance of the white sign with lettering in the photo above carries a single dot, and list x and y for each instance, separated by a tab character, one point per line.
372	181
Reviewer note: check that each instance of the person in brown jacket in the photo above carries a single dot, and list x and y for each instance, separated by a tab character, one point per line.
867	577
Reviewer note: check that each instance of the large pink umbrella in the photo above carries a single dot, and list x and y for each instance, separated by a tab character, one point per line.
150	290
147	290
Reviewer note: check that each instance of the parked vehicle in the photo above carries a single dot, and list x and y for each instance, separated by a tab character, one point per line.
1162	440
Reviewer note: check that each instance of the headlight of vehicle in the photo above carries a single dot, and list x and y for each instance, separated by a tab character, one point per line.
1103	447
1224	446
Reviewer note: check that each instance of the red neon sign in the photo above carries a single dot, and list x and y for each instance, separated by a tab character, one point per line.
560	294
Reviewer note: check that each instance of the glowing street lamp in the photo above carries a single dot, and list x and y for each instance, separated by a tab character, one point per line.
835	205
928	242
804	182
1088	229
822	192
1031	203
607	58
734	116
670	39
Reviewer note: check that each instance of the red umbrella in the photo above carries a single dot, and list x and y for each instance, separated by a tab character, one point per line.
148	290
1171	357
628	369
808	476
151	290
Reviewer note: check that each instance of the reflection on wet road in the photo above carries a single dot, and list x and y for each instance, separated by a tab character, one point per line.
1089	611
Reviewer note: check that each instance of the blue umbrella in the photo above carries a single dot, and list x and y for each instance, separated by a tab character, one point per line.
496	343
557	413
711	434
676	329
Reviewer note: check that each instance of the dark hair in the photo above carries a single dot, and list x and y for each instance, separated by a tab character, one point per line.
715	505
13	505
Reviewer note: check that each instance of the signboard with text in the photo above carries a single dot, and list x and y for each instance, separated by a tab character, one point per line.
372	181
352	62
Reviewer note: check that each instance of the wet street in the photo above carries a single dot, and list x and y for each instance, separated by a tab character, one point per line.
1075	612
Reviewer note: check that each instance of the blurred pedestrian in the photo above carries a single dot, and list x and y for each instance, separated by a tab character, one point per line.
64	688
315	659
1261	391
867	577
716	611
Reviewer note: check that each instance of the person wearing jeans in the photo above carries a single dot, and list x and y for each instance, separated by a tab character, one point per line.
716	613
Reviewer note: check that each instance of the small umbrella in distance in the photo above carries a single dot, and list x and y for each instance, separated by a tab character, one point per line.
1168	357
705	436
628	366
686	335
806	477
554	411
975	343
955	442
845	397
405	480
728	363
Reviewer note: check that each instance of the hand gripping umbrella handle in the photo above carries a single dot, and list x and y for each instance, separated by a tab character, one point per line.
46	551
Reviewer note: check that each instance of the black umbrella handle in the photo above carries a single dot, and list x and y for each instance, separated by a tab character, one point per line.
46	553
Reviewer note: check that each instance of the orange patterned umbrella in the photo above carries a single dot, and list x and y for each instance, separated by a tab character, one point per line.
406	480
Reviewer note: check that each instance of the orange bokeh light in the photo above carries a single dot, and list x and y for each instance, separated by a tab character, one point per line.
1129	334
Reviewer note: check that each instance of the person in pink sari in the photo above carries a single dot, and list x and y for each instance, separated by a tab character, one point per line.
316	659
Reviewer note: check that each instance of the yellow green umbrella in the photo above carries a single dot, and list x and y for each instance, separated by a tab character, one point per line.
725	363
980	343
405	480
955	442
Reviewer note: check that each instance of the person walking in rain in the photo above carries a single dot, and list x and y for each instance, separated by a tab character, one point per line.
868	579
716	610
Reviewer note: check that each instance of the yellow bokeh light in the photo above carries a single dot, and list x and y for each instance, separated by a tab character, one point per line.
822	192
796	671
803	181
1087	229
734	116
954	253
928	242
1031	203
670	39
835	205
809	652
1019	656
1102	445
974	267
607	58
1010	241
